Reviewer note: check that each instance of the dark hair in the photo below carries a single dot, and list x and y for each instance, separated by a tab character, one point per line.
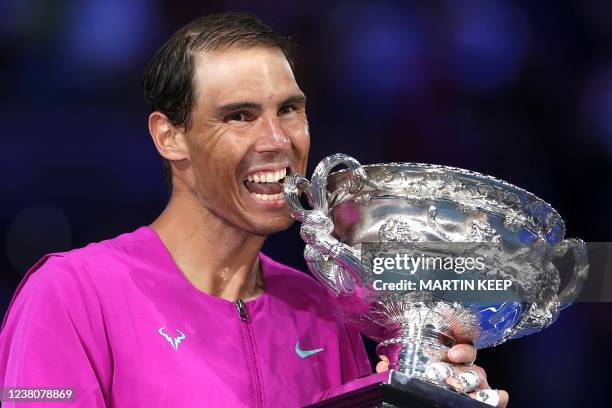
168	85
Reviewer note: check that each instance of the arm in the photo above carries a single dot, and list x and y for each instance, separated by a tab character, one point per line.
53	336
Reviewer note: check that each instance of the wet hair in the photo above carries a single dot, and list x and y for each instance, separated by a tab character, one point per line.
168	79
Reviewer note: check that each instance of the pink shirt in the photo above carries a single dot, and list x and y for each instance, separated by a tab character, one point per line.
119	323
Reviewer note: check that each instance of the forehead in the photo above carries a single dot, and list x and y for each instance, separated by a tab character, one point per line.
241	74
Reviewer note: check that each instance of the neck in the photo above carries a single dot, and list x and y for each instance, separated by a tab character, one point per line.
217	258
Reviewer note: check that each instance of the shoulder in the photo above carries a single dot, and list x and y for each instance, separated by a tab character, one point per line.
56	279
55	275
74	267
97	262
54	326
68	277
55	294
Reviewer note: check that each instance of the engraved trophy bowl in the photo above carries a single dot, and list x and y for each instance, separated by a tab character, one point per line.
432	205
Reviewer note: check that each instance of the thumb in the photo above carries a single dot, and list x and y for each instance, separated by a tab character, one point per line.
382	365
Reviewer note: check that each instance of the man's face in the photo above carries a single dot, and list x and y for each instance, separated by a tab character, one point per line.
249	128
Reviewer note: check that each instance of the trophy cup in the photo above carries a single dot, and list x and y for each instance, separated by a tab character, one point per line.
429	208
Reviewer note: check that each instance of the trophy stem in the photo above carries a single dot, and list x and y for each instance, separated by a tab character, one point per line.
414	347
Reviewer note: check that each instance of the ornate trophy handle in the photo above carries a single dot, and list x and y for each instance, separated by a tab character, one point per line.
317	225
319	178
580	272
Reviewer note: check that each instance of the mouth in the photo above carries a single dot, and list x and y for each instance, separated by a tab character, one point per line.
265	186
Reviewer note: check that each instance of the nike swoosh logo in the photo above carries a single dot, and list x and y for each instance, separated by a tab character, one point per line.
305	353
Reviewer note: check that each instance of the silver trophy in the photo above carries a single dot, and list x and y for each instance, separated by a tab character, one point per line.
433	206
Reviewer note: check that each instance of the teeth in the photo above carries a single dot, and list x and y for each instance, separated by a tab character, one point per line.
267	177
268	197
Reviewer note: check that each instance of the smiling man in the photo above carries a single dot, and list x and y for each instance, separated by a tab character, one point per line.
187	311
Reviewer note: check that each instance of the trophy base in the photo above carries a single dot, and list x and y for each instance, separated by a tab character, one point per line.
393	389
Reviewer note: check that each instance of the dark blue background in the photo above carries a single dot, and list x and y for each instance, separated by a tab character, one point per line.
519	90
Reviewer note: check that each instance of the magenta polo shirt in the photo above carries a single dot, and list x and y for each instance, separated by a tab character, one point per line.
119	324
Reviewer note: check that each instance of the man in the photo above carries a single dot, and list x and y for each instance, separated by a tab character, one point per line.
187	312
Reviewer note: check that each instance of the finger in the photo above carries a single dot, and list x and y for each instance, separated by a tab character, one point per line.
462	354
438	372
503	398
382	366
383	358
495	398
458	383
466	381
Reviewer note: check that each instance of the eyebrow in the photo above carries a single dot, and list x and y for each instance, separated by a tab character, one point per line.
295	99
237	106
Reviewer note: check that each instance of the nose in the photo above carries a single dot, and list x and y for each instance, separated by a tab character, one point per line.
272	136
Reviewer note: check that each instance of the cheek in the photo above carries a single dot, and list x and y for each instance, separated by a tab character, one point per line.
303	151
215	166
300	138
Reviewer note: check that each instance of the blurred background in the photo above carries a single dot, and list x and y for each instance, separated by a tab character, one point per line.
516	89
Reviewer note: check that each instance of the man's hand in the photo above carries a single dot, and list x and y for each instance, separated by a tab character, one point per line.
461	358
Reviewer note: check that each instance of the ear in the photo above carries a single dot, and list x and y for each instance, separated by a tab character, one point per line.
168	138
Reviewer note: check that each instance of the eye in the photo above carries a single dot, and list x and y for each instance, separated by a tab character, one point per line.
238	116
284	110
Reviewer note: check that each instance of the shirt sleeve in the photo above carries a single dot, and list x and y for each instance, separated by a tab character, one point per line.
355	361
53	336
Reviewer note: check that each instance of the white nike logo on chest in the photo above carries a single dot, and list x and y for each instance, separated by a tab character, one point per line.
305	353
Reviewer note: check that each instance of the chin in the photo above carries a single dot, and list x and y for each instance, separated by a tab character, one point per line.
271	226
